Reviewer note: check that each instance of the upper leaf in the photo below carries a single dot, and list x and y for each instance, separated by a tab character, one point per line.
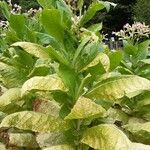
117	87
47	83
34	121
106	137
85	108
52	22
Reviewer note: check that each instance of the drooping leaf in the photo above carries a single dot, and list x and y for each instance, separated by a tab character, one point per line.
106	137
51	20
34	121
46	107
11	76
33	49
47	83
95	27
23	140
140	131
60	147
117	87
85	108
139	146
10	96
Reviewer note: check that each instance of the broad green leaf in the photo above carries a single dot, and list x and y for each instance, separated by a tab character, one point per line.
115	59
86	108
46	3
69	78
47	83
46	107
34	121
139	146
56	55
51	20
106	137
33	49
93	8
117	87
10	96
140	131
101	58
23	140
60	147
17	23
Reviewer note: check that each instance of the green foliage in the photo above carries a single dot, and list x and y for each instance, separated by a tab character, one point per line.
64	90
142	11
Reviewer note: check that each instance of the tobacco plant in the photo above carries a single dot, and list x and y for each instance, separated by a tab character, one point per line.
64	92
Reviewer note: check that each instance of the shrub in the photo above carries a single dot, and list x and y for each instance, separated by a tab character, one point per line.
142	11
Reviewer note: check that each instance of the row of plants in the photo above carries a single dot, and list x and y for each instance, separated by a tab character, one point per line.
63	89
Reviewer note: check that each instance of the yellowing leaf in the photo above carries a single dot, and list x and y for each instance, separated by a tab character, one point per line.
117	87
33	49
60	147
100	58
106	137
85	108
23	140
11	95
37	122
46	83
139	146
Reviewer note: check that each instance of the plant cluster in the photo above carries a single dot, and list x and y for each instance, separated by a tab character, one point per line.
61	87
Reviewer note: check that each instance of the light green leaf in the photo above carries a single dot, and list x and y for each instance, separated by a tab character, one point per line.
10	96
51	20
23	140
34	121
46	3
140	131
139	146
5	9
117	87
33	49
60	147
115	59
17	22
93	8
106	137
102	59
47	83
46	107
145	61
86	108
95	27
2	146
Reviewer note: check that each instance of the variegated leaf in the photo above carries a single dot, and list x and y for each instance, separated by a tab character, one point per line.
106	137
86	108
33	49
34	121
117	87
47	83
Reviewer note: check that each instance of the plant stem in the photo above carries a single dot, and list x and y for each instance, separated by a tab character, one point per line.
79	122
